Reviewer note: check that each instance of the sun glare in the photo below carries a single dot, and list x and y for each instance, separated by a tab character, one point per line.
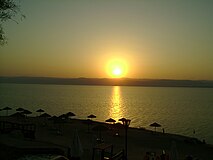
117	68
117	71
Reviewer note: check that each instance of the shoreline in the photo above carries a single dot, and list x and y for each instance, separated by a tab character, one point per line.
140	141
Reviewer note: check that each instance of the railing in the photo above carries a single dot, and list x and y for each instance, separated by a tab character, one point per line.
118	156
28	130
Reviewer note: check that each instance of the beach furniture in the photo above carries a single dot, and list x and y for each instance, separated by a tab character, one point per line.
100	129
28	130
103	149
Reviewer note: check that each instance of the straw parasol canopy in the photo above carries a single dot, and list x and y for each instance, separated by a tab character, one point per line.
110	120
45	115
91	116
26	112
155	125
20	109
70	114
17	115
40	111
7	109
122	119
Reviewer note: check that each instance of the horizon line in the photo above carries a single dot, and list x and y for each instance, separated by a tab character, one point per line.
106	78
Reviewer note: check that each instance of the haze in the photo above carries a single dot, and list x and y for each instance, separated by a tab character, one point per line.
156	39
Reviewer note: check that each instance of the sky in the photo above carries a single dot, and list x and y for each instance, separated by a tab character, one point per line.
156	39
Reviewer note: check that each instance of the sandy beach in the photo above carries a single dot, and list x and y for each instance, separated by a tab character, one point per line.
56	138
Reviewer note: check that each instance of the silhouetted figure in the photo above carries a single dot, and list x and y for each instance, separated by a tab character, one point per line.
204	141
194	132
163	130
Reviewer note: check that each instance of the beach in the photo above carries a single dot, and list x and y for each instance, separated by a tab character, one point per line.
51	137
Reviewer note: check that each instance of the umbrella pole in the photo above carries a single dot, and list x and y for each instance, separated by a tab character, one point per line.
100	135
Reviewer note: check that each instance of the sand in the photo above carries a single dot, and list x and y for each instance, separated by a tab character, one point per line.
58	137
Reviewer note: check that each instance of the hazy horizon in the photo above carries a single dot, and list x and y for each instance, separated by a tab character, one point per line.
111	39
102	78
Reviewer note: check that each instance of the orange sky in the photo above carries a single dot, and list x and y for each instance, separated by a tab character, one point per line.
156	39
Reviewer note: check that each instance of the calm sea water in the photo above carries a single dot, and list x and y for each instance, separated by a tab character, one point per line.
178	110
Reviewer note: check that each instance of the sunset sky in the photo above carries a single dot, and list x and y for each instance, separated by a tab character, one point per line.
83	38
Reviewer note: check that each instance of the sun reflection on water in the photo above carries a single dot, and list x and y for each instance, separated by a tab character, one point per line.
116	111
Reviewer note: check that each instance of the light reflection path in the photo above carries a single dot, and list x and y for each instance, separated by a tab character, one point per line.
116	111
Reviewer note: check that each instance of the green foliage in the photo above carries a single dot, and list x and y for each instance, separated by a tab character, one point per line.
2	36
8	10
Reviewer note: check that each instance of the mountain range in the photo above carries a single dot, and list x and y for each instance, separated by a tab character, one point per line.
109	81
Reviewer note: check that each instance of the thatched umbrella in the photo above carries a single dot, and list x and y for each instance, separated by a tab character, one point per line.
91	116
155	125
20	109
110	120
70	114
45	115
40	111
26	112
7	109
17	115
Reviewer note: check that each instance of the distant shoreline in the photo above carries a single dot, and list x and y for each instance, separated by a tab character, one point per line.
109	82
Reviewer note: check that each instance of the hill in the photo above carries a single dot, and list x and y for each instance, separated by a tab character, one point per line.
109	81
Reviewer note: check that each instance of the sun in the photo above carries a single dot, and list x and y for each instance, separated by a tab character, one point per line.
116	68
117	71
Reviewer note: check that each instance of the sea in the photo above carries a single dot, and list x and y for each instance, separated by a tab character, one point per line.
185	111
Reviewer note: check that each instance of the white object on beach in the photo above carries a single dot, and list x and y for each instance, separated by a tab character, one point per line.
76	148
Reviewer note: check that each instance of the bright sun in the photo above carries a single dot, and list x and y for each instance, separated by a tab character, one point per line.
117	71
116	68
